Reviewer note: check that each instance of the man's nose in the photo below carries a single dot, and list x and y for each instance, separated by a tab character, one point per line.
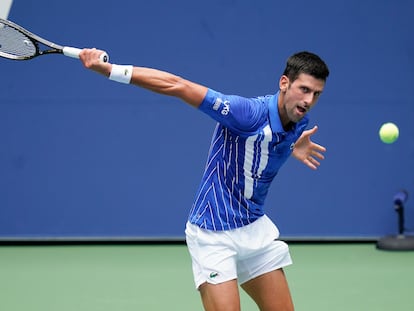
309	99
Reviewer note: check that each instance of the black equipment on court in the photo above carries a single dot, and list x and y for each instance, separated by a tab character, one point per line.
400	242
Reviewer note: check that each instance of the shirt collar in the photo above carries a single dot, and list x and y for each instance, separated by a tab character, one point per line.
274	117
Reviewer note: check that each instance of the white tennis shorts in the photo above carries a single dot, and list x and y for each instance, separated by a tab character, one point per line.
243	253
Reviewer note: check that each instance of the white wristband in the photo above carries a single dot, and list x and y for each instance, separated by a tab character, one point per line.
121	73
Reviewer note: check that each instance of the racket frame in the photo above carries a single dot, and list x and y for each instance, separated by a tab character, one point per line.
35	39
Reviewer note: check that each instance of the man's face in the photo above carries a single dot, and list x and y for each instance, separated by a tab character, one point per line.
298	97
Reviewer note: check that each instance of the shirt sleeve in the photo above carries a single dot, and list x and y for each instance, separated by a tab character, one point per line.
240	114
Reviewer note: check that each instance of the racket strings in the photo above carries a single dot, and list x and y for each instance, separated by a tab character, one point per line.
14	44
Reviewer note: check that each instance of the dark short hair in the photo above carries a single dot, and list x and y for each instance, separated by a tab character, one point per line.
306	62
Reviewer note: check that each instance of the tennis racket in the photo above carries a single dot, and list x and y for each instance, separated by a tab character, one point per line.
19	44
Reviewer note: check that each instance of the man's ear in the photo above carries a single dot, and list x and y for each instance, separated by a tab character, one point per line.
283	83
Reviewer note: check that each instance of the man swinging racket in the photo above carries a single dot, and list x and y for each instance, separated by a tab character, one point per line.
230	239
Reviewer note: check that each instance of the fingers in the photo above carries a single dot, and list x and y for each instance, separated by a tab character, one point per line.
318	148
318	155
90	56
312	163
314	129
91	59
314	155
310	153
311	131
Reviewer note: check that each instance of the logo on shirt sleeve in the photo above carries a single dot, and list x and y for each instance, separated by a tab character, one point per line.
224	105
217	104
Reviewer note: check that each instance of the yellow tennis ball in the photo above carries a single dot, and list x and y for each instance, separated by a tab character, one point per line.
388	133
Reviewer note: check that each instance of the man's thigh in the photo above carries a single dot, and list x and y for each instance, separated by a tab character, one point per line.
220	297
270	291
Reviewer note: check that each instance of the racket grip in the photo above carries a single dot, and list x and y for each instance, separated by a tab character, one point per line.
74	53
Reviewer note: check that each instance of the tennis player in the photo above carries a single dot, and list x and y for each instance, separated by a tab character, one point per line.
229	237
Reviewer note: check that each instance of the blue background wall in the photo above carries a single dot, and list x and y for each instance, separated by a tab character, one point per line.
77	154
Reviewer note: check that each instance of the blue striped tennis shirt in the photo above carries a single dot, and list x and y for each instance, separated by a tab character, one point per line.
248	147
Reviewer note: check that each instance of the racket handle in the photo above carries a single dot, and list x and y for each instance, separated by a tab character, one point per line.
74	53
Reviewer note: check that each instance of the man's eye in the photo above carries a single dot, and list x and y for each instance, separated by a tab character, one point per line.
304	89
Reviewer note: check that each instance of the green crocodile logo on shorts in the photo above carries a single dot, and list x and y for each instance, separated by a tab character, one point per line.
213	275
